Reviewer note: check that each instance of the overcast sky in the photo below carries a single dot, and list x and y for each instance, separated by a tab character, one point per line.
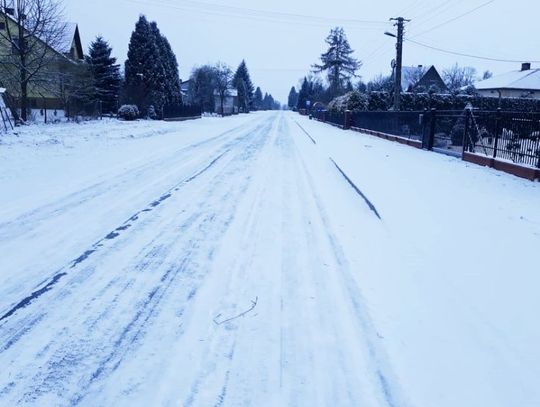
280	39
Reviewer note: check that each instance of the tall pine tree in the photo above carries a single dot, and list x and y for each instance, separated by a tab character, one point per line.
293	98
258	99
303	95
243	84
338	62
170	65
105	73
146	69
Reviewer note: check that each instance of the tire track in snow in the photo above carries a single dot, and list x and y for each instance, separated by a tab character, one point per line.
49	284
380	363
134	330
215	369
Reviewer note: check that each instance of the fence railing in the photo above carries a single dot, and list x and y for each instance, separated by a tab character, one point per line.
409	125
181	111
511	136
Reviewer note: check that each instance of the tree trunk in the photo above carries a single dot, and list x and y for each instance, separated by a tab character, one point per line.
222	97
23	74
24	101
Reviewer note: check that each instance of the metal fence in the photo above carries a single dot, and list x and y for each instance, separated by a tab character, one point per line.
511	136
409	125
181	111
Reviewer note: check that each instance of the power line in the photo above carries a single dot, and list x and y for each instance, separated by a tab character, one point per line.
275	16
455	18
513	61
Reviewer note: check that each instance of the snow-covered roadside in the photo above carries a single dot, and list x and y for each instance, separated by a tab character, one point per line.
455	292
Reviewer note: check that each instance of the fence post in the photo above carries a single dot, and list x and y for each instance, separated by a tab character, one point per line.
497	132
432	127
347	124
466	135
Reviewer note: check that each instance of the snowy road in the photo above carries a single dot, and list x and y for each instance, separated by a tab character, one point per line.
243	262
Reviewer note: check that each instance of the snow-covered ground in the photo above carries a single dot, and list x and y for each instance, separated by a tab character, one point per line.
261	260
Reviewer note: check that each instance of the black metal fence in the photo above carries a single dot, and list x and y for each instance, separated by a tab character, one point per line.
511	136
181	111
409	125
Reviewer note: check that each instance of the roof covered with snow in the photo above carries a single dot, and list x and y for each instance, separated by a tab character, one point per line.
526	80
64	45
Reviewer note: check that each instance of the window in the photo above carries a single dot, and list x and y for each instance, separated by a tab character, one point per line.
2	26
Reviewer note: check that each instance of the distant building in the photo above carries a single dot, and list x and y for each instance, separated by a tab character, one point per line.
422	79
184	91
230	103
523	83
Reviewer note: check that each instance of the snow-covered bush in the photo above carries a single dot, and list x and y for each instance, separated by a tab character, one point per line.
353	101
128	112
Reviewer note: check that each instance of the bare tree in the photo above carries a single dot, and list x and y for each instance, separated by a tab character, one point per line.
34	29
413	75
457	77
223	82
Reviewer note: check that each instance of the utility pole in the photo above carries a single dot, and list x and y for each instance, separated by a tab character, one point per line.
400	23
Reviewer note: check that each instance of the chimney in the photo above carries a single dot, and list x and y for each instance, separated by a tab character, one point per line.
525	66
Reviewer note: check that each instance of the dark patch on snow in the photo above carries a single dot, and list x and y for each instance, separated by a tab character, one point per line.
112	235
368	202
125	227
36	294
82	257
307	134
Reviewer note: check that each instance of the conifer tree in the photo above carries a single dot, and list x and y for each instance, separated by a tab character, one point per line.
144	69
258	99
242	82
105	73
293	98
337	62
170	66
303	95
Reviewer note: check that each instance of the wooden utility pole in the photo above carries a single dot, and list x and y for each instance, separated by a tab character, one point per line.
400	23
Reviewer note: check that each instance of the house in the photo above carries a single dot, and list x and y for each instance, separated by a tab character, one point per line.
184	91
230	102
421	79
50	85
523	83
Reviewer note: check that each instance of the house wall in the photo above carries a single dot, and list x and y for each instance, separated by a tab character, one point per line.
510	93
230	105
46	90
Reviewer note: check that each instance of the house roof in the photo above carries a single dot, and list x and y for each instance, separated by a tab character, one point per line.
64	45
70	35
525	80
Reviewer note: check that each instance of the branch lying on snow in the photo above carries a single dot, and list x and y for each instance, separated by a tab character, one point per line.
253	305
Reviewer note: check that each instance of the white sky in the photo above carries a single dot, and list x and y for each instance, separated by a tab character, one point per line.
280	49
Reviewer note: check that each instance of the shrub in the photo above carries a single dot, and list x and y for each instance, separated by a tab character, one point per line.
353	101
457	133
128	112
